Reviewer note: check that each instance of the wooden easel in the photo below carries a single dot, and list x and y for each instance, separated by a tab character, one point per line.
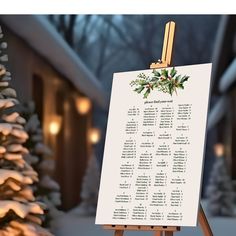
164	230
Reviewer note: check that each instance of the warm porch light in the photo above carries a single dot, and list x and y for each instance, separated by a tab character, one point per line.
83	105
55	124
94	135
219	149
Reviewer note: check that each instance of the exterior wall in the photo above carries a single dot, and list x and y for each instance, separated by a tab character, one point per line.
56	96
229	130
224	53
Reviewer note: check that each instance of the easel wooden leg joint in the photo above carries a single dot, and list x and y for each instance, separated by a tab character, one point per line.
158	230
119	232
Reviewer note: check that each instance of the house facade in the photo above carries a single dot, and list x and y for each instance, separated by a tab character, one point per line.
46	70
222	117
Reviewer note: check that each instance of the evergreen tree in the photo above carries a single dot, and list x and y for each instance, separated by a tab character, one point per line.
20	214
219	191
47	190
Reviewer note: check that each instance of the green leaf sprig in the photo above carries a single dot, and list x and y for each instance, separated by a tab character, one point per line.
166	81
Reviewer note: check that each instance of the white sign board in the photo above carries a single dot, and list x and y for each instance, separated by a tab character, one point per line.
153	157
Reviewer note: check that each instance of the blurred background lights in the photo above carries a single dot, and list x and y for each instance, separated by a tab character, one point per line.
83	105
55	124
94	135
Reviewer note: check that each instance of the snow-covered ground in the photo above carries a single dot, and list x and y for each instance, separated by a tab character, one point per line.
72	225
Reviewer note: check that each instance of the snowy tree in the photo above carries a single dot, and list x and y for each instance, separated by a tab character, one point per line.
47	190
20	213
219	191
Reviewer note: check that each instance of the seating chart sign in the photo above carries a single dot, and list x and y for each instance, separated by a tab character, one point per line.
153	157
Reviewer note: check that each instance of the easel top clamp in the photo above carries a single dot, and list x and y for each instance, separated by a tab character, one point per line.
165	61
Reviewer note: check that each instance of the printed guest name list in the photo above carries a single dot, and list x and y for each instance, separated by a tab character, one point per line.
154	149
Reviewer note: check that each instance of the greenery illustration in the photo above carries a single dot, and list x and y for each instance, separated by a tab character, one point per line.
166	81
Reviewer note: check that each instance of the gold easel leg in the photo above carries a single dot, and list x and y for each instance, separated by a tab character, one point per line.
168	233
158	233
119	232
206	229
